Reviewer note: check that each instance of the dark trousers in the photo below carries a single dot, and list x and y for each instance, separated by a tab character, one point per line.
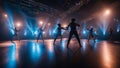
70	36
57	37
40	35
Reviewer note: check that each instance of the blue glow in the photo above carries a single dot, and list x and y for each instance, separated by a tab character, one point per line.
36	52
104	32
84	45
95	32
55	30
96	40
10	22
63	31
12	31
63	44
25	33
36	32
118	29
96	43
29	26
12	57
84	32
50	32
43	32
105	27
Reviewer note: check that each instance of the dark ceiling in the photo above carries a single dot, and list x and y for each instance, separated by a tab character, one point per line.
59	4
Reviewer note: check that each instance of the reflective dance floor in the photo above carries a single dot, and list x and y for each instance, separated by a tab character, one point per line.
30	54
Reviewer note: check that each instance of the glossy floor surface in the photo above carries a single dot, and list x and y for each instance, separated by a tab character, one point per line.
30	54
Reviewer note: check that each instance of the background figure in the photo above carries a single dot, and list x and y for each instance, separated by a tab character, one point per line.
111	33
73	31
40	34
15	34
58	33
91	34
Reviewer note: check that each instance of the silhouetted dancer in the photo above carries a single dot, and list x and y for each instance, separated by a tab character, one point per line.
40	34
111	33
58	33
15	34
73	31
91	34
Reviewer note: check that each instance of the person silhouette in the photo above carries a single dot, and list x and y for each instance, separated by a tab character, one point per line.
111	33
73	31
58	33
15	34
91	34
40	34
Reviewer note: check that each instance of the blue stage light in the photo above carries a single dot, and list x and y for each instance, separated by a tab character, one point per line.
25	33
118	29
84	32
36	32
11	57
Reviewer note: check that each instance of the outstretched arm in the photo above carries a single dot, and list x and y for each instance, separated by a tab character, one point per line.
67	27
63	28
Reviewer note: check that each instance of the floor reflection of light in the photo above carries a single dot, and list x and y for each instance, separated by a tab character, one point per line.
95	46
5	44
12	57
106	58
95	43
35	52
63	44
84	45
17	50
50	48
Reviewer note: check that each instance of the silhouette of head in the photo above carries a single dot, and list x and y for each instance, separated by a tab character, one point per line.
59	25
91	28
73	19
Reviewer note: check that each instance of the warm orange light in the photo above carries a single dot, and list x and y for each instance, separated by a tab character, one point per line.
64	25
107	12
40	22
18	24
5	15
106	55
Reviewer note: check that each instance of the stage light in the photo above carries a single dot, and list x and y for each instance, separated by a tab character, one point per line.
118	29
43	32
64	25
84	31
107	12
5	15
25	33
40	22
18	24
54	31
36	32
